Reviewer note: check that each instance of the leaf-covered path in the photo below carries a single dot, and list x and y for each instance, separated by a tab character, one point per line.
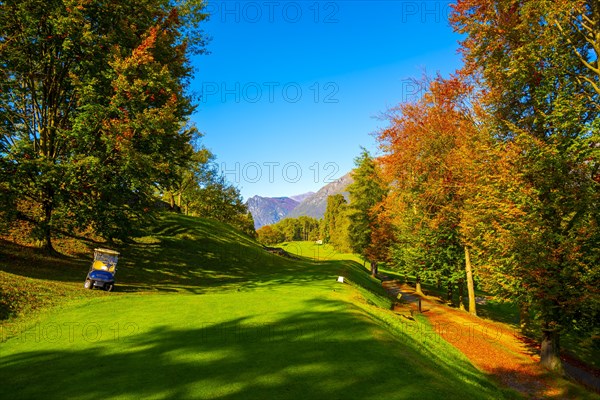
491	346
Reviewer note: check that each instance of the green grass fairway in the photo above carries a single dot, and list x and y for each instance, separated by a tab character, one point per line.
281	343
318	252
226	325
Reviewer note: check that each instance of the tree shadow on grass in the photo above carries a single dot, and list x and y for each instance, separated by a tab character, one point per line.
194	255
320	352
190	247
33	263
205	264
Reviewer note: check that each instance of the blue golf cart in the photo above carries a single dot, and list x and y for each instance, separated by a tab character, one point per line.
102	272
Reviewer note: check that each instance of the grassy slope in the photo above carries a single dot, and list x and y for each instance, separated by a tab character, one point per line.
264	327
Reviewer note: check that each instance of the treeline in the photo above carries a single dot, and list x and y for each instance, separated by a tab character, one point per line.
493	175
289	230
94	117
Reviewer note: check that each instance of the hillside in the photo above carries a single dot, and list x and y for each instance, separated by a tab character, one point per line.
198	305
316	204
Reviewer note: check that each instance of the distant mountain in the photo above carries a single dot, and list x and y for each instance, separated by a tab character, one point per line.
268	210
316	204
300	198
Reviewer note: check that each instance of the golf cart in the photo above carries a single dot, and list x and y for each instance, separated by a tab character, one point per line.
102	271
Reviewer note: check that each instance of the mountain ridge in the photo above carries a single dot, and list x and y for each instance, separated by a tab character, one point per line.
316	204
270	210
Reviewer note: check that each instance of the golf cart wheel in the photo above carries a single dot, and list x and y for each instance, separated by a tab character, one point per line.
109	288
88	284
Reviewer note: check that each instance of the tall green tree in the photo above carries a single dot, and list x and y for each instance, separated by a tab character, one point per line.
366	191
220	200
93	107
336	223
184	189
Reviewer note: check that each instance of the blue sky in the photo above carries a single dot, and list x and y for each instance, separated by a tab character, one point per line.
292	89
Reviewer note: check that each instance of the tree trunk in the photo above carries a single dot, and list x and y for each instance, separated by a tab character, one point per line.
171	200
460	295
46	229
470	283
418	286
46	240
524	320
450	293
550	351
179	199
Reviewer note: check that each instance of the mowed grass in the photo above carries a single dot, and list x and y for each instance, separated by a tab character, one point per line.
205	313
280	343
318	252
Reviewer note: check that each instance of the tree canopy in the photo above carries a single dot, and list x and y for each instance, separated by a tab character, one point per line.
93	109
499	164
366	191
538	62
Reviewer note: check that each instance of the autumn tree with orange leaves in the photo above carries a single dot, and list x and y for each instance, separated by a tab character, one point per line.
538	214
430	147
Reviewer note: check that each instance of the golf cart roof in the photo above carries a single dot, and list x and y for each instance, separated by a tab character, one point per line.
107	251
